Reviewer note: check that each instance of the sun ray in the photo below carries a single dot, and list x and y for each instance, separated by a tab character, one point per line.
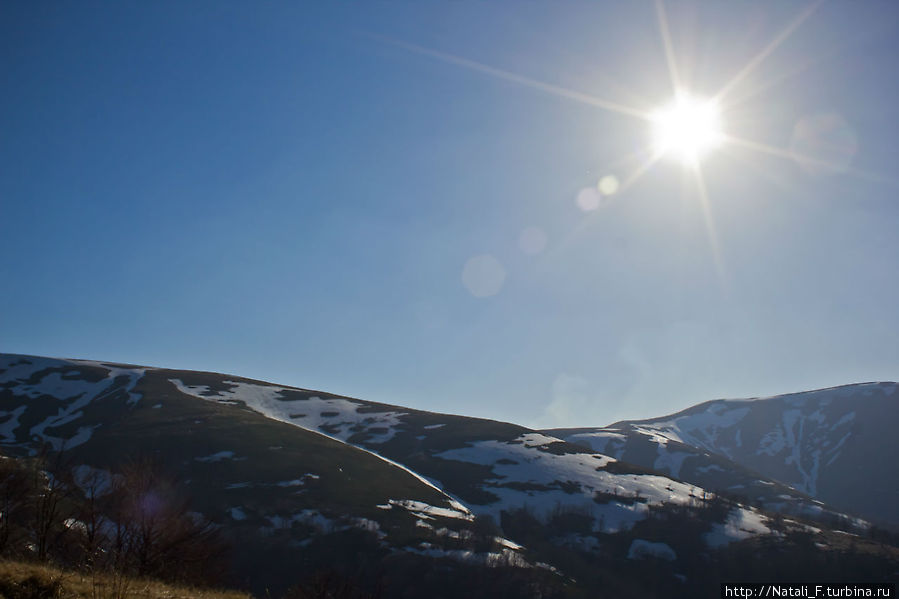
666	42
823	57
798	157
778	179
747	95
555	90
827	55
639	171
710	229
600	75
771	47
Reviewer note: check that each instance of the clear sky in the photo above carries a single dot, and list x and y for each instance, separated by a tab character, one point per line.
398	201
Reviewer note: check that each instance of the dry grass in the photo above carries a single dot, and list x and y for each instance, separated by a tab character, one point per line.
75	585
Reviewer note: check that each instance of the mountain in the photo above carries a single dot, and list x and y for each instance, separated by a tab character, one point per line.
259	477
301	480
834	445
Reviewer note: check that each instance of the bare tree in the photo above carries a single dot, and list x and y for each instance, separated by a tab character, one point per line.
94	523
135	521
15	495
155	533
51	486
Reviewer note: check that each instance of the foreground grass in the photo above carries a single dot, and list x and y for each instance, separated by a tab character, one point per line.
22	580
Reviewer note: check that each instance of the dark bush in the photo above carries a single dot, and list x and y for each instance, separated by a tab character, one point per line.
32	587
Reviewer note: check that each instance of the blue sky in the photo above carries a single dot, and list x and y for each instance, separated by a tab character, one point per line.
292	192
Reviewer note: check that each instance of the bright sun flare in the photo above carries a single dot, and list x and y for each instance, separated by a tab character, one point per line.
687	129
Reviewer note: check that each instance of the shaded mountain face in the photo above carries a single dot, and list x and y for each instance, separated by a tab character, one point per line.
273	486
834	445
302	479
490	466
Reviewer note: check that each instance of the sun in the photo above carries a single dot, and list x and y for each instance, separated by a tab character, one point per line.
687	128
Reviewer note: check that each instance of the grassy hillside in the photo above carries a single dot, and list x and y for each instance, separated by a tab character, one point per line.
22	580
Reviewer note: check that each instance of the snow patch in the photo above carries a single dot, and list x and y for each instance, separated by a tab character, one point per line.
335	417
701	429
642	549
507	557
741	524
599	441
772	443
217	457
526	476
672	461
62	387
291	483
844	420
238	514
9	426
427	511
712	468
94	481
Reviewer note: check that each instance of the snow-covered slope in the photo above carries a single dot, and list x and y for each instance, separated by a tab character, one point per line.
501	468
276	487
478	466
298	475
836	445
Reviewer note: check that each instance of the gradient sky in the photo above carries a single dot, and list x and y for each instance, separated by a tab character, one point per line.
292	192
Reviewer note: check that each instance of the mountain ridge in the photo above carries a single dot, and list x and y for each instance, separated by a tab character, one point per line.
798	439
296	469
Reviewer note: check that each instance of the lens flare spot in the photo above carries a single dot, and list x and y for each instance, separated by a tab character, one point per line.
608	185
532	240
588	199
483	275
